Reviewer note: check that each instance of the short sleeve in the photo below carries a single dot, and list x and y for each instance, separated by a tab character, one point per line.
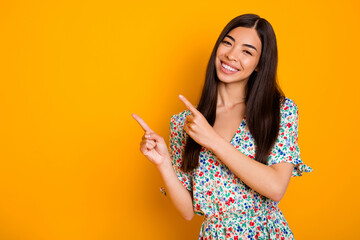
286	148
176	148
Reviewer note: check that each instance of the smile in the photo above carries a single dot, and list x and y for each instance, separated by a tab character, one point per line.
227	67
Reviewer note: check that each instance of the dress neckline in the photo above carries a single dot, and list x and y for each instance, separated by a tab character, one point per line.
241	123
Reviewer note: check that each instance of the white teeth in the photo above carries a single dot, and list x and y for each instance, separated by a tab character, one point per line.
228	67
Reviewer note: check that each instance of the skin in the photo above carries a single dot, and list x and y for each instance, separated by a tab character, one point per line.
155	149
231	88
270	181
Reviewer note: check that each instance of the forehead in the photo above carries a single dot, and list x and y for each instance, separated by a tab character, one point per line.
243	35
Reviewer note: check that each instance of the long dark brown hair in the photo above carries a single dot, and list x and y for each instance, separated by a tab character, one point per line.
263	95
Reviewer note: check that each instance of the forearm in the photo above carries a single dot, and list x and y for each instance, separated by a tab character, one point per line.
179	195
260	177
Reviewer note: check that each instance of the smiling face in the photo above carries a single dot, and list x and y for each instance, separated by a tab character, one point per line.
238	55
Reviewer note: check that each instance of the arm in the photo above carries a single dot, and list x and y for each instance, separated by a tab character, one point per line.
179	195
155	149
270	181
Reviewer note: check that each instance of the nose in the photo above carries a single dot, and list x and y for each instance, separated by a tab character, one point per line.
232	54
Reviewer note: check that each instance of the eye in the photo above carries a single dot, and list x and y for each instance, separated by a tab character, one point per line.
226	42
247	52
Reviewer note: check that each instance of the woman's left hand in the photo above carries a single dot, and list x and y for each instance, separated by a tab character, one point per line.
197	126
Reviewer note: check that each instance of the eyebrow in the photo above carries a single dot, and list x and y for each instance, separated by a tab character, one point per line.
246	45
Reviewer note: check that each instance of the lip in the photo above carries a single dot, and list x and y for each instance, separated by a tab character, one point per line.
225	70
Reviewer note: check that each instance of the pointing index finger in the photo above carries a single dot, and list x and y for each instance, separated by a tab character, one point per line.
142	123
188	104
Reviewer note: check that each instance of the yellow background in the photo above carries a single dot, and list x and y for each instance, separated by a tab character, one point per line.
72	72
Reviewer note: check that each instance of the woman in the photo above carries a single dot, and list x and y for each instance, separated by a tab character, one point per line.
232	157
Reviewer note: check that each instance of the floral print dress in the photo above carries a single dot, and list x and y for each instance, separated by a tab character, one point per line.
231	209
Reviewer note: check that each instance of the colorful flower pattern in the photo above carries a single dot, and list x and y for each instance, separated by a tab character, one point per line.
231	209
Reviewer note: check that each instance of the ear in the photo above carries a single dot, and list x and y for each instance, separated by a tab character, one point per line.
256	69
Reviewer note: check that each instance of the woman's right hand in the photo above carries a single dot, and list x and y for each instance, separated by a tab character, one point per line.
152	145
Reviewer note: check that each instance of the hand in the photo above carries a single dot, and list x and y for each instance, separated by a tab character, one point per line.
197	126
152	145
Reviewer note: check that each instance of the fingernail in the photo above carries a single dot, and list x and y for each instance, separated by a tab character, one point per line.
181	96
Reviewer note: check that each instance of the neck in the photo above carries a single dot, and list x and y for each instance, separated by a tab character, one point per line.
231	94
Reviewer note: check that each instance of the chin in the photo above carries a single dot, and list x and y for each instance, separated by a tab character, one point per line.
227	79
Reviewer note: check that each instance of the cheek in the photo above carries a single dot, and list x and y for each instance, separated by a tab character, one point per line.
249	63
252	63
217	59
220	51
217	63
